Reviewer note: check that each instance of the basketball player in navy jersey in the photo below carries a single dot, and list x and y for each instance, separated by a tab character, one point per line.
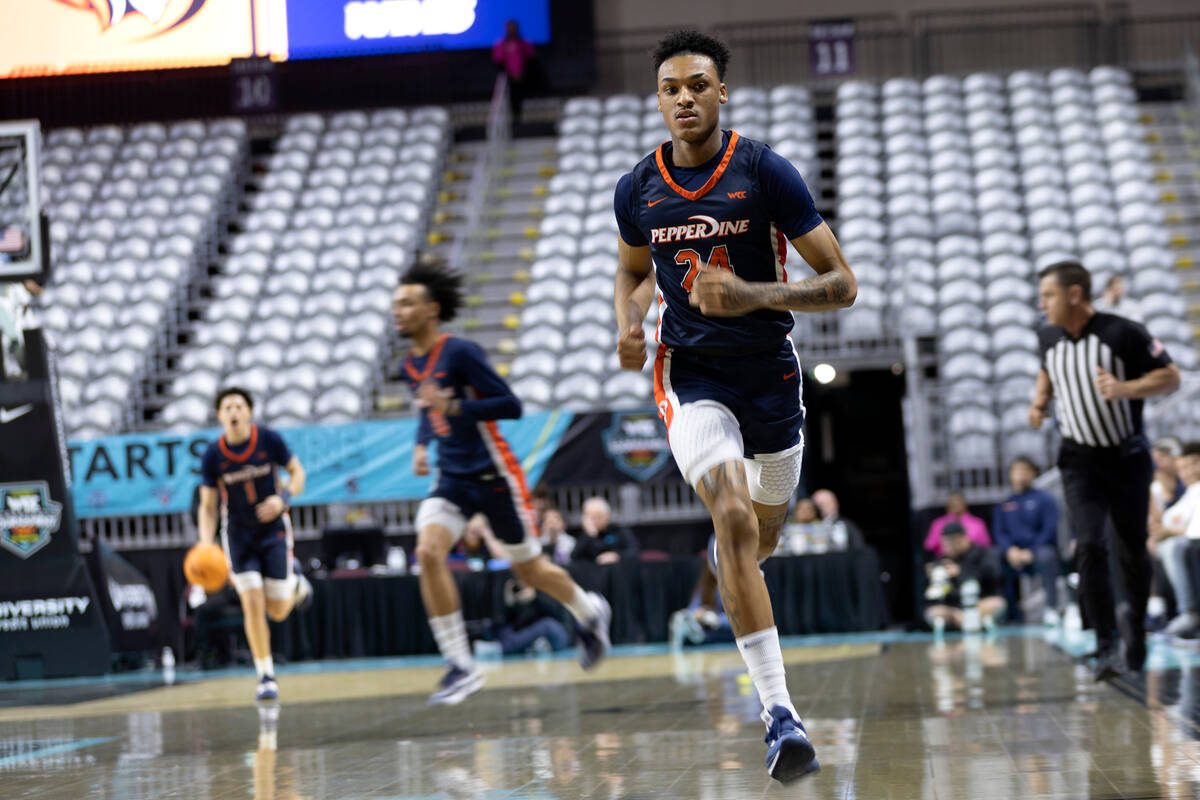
709	215
242	469
461	397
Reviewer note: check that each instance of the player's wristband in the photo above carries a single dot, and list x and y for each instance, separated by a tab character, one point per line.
286	497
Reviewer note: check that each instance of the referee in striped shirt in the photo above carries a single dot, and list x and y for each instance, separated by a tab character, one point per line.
1100	367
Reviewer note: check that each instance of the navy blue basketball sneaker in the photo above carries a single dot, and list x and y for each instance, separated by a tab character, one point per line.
790	755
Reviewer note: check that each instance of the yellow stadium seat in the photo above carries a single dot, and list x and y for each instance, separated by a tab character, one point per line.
507	346
503	369
1179	240
1184	262
531	232
547	171
470	324
521	275
526	253
517	298
541	190
512	322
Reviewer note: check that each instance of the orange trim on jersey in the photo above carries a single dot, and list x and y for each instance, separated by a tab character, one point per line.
712	179
514	470
232	456
660	393
430	362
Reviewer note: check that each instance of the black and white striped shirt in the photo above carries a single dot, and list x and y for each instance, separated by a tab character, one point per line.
1125	349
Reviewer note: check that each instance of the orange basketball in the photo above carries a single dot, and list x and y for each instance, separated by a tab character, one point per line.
205	565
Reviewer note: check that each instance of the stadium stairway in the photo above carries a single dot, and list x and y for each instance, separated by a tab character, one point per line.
495	261
165	370
1173	133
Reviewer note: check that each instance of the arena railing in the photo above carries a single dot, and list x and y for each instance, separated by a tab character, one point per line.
632	504
481	173
927	42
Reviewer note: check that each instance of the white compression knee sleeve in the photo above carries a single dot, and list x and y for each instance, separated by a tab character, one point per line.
773	477
703	435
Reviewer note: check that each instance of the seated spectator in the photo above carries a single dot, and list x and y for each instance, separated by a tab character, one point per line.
526	622
962	562
1172	535
1166	489
1025	528
801	532
843	533
956	511
1115	301
478	542
603	542
557	544
704	620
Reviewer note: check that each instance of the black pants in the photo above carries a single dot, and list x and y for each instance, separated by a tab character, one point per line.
1098	483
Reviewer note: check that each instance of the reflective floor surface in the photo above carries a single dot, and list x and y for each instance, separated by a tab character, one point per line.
892	716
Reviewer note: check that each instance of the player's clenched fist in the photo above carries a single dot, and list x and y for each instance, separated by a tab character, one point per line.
420	461
720	293
631	347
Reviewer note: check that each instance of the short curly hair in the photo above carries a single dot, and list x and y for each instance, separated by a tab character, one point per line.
442	284
689	41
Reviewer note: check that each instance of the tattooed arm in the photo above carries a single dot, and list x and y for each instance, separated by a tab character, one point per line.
720	293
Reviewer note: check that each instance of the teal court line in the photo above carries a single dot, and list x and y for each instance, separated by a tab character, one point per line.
78	744
1162	656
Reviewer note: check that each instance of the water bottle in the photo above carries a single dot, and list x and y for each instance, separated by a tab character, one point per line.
970	601
168	666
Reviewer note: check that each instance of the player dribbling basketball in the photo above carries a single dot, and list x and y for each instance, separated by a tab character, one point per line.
242	469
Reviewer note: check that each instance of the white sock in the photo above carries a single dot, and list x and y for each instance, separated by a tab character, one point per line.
764	661
264	666
581	606
1156	606
451	636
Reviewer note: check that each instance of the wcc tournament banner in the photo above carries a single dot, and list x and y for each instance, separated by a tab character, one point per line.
613	447
156	473
50	622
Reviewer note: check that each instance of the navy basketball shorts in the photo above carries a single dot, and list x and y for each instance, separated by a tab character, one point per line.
721	408
504	501
261	558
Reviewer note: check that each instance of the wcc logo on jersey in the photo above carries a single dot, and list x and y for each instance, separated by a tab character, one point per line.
112	12
27	517
637	444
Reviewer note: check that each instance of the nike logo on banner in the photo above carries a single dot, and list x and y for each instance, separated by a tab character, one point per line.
791	374
9	414
653	203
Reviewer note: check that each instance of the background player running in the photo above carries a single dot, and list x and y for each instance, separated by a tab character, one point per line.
256	533
461	397
711	213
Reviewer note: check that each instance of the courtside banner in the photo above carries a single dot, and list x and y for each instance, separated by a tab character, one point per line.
62	37
332	28
156	473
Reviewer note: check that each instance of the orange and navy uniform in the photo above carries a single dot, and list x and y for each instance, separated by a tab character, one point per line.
245	474
477	471
737	212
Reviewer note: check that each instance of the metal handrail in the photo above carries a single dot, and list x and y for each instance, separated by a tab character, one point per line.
497	137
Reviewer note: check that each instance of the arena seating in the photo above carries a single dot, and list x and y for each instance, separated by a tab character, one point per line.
134	213
567	336
300	314
954	192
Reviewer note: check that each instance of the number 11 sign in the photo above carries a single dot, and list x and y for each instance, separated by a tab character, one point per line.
831	47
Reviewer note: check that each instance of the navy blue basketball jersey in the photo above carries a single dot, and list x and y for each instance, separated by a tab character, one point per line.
469	443
737	212
245	474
